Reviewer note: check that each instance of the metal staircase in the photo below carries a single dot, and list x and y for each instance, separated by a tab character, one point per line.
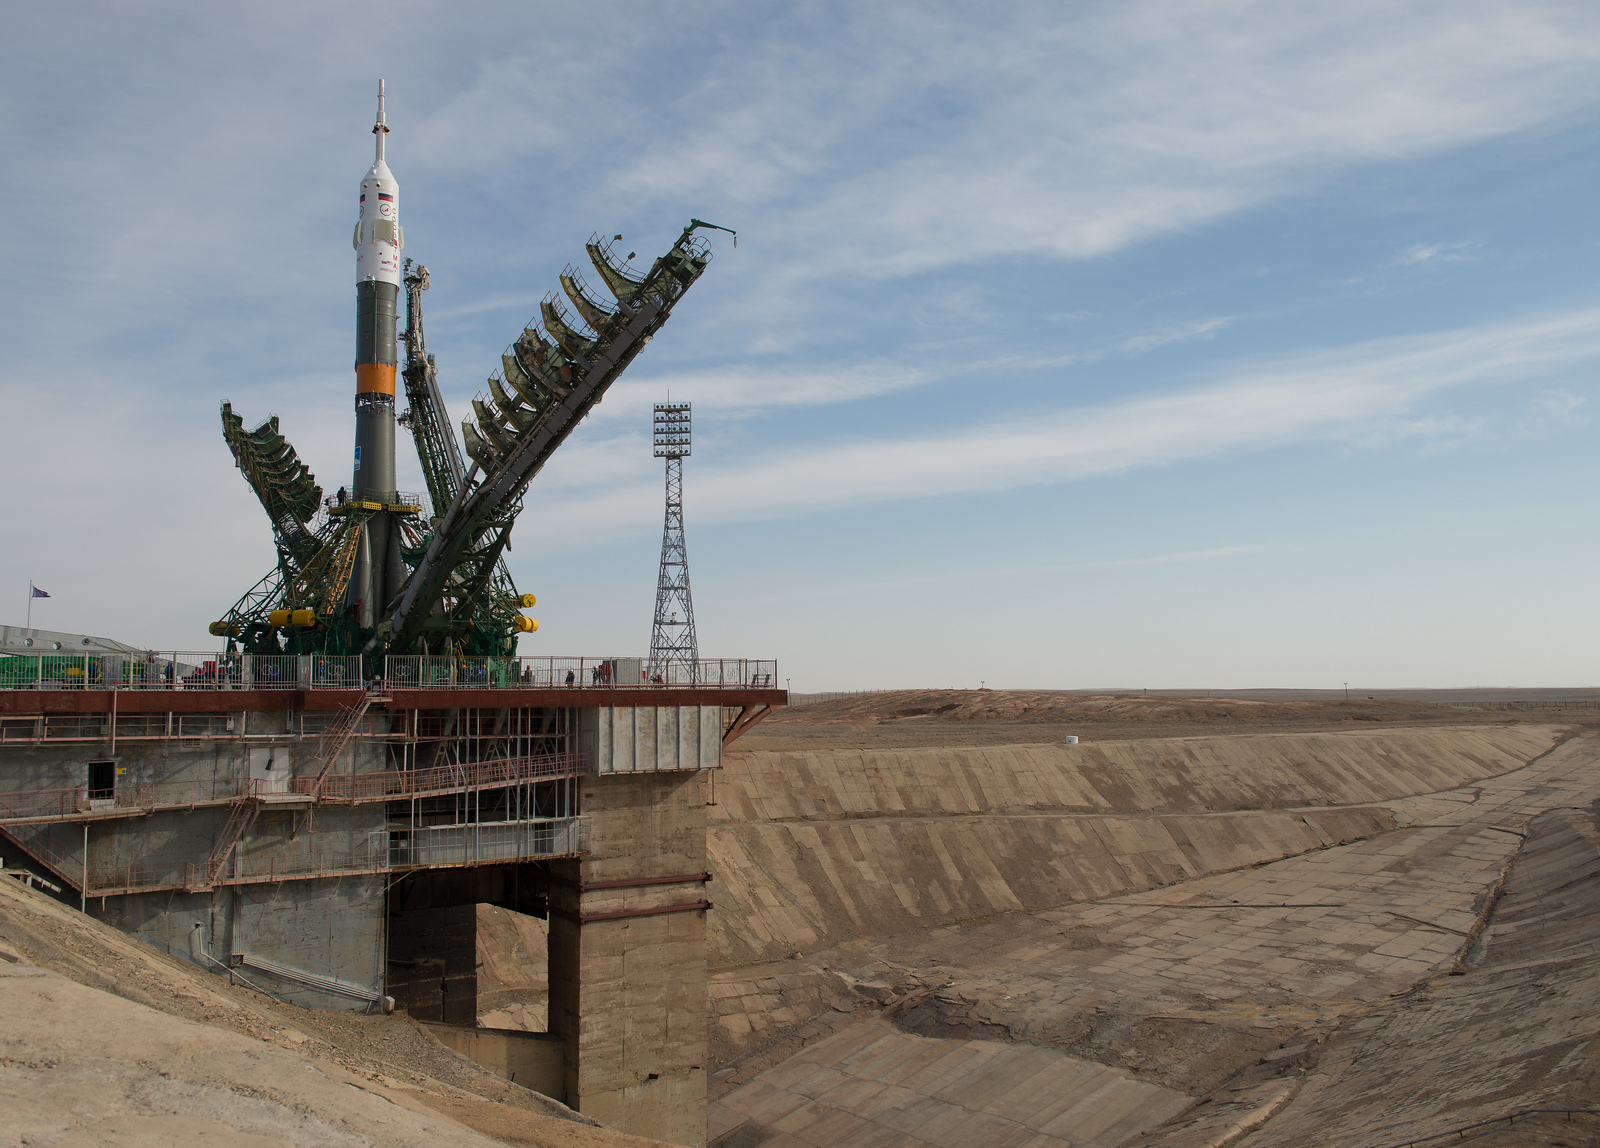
240	816
337	735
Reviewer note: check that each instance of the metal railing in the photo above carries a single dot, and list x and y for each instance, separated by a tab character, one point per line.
114	880
305	866
415	672
483	842
80	802
178	670
40	728
401	785
201	670
383	498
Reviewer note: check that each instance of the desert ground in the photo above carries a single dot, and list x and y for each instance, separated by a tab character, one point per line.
1210	922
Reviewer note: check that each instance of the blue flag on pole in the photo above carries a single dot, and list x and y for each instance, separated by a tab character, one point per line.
38	593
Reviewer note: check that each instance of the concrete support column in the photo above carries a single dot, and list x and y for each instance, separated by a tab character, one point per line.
628	957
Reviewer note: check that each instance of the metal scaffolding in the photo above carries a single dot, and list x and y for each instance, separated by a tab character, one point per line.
672	639
454	594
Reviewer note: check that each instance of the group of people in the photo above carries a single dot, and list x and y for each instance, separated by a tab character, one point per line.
600	675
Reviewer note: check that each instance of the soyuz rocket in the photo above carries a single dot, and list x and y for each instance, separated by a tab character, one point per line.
379	571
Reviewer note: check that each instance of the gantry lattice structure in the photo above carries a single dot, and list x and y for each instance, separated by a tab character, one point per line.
674	649
456	596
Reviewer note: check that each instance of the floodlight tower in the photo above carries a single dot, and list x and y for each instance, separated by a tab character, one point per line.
673	648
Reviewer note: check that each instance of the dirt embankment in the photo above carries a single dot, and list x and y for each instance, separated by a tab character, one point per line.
906	718
108	1040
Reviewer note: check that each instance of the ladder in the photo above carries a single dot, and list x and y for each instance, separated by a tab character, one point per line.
243	812
337	735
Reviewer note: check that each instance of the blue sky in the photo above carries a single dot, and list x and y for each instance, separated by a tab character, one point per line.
1122	344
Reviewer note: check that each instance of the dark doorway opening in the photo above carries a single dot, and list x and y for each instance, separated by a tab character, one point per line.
102	780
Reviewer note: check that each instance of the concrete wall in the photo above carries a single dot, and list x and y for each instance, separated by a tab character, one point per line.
433	964
636	739
533	1060
329	928
628	993
332	928
165	761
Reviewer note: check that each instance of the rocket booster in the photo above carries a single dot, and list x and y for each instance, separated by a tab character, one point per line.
379	570
377	242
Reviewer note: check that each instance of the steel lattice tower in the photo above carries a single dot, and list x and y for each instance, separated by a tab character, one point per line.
673	647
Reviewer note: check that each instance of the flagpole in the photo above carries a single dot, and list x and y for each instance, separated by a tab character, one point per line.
30	603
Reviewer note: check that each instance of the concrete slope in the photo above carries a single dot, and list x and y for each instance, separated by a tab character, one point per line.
871	1084
1517	1029
108	1040
1221	987
811	849
1188	775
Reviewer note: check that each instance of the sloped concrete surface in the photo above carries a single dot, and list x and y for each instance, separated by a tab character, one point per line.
874	1085
1004	837
1517	1027
811	849
1283	997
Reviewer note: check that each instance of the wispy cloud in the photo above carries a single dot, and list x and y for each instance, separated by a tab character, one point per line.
1345	393
747	389
1076	132
1129	346
1434	253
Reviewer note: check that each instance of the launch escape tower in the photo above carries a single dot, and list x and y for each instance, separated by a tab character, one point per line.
377	571
674	650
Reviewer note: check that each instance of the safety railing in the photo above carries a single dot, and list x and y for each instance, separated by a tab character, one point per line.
189	670
178	670
305	866
374	497
432	673
40	728
483	842
400	785
114	880
80	801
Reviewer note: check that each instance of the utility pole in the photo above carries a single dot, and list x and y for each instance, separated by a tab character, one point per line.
674	651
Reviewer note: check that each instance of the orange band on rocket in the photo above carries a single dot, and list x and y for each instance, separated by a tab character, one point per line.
374	378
